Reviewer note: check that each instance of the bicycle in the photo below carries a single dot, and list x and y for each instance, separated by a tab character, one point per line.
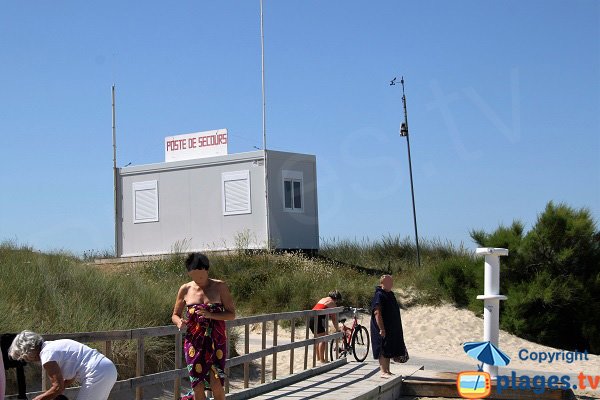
355	339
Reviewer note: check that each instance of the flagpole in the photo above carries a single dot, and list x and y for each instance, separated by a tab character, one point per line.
264	125
115	183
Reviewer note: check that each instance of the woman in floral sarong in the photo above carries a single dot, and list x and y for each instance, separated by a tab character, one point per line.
209	305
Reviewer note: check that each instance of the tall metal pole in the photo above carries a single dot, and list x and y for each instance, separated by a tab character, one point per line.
404	132
264	125
114	140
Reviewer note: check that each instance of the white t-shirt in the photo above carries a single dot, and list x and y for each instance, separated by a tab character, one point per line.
75	360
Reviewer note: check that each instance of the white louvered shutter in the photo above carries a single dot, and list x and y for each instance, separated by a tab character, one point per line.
236	193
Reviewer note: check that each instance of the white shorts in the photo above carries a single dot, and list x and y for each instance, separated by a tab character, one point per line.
98	384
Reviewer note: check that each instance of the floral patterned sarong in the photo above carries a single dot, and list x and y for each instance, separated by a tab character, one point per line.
205	346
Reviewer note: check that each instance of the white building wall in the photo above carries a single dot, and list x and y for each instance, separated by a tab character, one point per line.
293	229
190	205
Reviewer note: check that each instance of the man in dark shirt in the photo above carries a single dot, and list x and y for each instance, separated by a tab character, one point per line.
386	327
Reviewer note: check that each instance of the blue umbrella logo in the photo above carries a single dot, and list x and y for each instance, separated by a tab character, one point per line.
487	353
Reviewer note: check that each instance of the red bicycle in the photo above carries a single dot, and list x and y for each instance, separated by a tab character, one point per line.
356	339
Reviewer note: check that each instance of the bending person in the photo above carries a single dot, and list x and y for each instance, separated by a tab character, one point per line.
209	304
326	302
65	361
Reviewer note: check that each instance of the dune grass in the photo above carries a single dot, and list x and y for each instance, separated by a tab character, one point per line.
428	283
59	292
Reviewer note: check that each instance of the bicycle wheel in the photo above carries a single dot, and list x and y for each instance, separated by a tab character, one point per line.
360	343
335	353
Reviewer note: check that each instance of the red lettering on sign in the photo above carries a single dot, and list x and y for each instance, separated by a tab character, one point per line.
179	144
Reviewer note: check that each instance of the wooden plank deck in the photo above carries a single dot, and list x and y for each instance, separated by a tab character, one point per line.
352	380
342	380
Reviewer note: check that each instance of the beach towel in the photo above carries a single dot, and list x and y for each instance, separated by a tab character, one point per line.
205	346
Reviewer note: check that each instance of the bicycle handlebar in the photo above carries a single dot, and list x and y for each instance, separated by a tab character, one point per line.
356	310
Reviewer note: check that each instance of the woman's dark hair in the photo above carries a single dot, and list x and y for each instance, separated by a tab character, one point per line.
196	261
335	295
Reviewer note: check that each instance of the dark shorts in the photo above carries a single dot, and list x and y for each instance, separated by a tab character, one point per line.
320	324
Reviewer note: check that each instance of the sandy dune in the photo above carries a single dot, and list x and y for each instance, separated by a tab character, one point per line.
440	331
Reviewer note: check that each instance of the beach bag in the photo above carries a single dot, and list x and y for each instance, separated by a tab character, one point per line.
403	358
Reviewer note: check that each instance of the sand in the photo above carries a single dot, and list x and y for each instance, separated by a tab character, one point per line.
441	331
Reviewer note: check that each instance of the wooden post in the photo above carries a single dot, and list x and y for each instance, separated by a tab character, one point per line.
306	347
108	349
45	383
246	351
139	367
326	333
227	331
274	371
339	341
263	358
292	350
315	321
178	356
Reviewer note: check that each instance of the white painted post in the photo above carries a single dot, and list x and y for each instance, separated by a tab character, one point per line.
491	299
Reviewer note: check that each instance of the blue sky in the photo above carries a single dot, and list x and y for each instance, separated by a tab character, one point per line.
503	103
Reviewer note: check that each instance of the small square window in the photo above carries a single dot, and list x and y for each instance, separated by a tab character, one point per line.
292	191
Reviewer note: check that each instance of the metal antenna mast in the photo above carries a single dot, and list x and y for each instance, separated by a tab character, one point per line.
115	183
264	125
404	132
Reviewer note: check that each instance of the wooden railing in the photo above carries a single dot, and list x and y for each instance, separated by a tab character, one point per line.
140	380
246	358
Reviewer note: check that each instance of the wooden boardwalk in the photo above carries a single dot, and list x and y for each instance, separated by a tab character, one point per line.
344	380
334	381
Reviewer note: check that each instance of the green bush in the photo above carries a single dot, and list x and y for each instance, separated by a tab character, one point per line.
460	280
545	310
552	278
